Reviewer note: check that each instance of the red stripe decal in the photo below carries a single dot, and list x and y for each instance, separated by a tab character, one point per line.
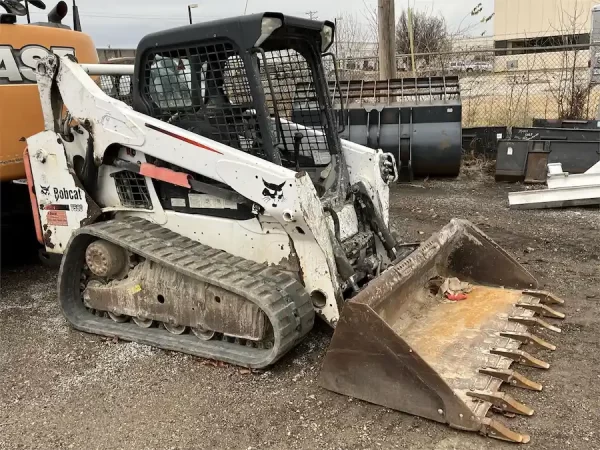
184	139
166	175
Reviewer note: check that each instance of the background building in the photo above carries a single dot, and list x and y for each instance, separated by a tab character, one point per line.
106	54
541	23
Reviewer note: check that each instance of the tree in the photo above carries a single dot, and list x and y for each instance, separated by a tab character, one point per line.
352	38
372	24
570	83
354	46
429	31
476	12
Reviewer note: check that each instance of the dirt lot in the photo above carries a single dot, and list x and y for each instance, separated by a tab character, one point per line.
64	389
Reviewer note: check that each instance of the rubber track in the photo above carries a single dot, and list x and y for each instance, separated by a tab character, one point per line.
281	297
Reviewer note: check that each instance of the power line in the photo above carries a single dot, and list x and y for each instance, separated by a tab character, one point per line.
312	15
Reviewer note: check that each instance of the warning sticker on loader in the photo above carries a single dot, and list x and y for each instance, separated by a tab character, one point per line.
135	289
57	218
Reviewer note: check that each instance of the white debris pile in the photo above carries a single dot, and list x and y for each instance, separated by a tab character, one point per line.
563	190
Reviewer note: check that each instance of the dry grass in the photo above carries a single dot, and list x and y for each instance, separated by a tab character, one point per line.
515	99
472	165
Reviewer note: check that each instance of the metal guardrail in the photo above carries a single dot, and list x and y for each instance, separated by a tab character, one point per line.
505	90
475	51
500	86
108	69
115	79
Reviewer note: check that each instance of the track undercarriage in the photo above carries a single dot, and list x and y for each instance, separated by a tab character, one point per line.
140	282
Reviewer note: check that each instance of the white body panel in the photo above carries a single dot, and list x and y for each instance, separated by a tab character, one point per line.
62	204
251	239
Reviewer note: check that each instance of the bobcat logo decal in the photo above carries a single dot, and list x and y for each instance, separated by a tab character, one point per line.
273	192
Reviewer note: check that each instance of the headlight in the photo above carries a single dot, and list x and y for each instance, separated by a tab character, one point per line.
268	25
326	37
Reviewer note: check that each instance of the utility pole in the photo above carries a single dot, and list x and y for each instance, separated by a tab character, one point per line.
76	19
312	15
386	19
411	39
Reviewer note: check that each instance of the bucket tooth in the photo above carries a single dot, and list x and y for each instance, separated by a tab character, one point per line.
529	338
534	322
542	310
520	357
496	430
545	297
502	401
512	377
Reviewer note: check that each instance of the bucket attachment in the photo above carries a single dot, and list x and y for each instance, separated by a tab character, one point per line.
400	345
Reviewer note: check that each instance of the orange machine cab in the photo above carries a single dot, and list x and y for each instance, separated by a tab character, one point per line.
20	111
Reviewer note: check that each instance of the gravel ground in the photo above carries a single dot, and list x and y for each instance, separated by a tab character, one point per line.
60	388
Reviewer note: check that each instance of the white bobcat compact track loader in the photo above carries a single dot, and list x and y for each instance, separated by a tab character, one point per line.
203	220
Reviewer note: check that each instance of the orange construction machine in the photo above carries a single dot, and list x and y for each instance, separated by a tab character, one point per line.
21	46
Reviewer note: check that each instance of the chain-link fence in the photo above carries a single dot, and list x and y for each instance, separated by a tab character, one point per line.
508	87
501	87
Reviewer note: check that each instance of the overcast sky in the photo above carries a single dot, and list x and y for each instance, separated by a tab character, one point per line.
121	23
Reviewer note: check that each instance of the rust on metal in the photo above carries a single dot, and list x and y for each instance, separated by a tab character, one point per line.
502	401
512	377
545	297
520	357
534	322
537	166
48	237
529	338
497	430
542	310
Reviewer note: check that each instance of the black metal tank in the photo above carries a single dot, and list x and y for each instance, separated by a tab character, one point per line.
418	120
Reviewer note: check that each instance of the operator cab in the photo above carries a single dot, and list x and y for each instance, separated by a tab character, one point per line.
237	81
